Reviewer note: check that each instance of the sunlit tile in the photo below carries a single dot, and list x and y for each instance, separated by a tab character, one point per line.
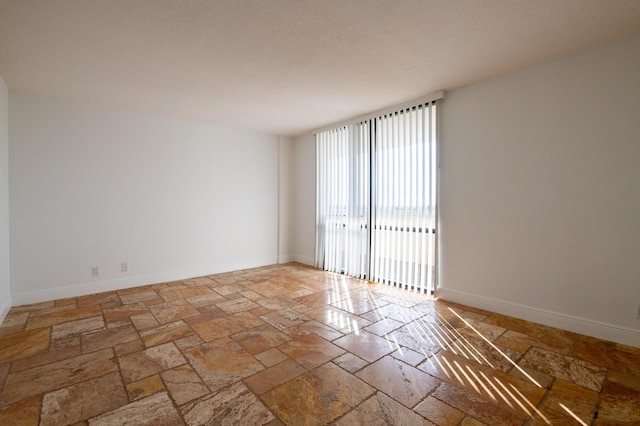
310	350
350	362
401	381
317	397
366	345
468	402
571	369
439	412
380	410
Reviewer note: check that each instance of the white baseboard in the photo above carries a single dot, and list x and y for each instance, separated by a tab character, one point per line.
83	289
601	330
304	260
5	305
286	258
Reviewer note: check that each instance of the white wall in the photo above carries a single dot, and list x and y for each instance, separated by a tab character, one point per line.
304	194
94	186
541	193
285	199
5	291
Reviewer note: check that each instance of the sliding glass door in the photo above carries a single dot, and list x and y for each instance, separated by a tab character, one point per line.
376	198
343	200
403	220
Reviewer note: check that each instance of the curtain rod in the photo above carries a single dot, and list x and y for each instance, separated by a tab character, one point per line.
440	94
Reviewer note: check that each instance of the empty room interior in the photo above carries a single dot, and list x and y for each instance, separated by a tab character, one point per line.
320	212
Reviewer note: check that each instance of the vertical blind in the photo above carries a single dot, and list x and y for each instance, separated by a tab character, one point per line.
376	198
343	200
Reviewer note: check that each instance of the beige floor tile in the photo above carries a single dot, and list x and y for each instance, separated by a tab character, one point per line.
137	296
145	387
310	350
24	344
564	397
105	300
45	358
97	340
317	397
402	382
381	410
173	311
384	326
83	400
320	329
274	376
573	370
207	299
289	344
260	339
184	384
25	412
366	345
14	320
438	412
222	362
422	337
350	362
144	321
486	382
124	312
271	357
487	411
45	378
233	405
165	333
409	356
139	365
154	410
338	319
59	317
78	327
237	305
285	319
619	404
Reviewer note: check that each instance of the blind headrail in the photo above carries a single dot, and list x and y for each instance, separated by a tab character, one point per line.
440	94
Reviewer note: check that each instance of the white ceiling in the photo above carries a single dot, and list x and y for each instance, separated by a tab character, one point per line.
286	66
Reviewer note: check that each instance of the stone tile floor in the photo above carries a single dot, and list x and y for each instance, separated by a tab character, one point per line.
288	344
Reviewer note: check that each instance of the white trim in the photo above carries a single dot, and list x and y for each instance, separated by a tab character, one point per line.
303	259
601	330
286	258
4	309
278	196
440	94
119	284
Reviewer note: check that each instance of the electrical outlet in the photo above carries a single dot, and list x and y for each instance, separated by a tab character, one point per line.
638	311
95	271
124	267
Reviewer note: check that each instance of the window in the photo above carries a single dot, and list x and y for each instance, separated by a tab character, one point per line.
377	197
